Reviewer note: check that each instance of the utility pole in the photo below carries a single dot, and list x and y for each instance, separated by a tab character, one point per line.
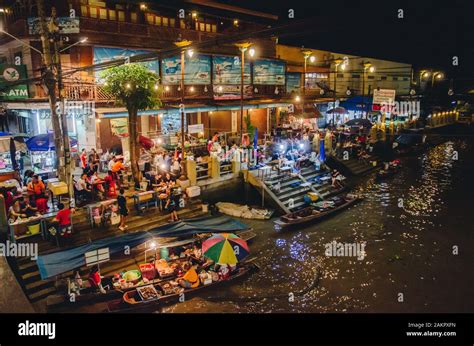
59	77
49	79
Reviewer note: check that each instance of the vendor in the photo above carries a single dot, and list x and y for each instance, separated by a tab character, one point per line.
95	279
15	211
190	279
27	208
36	187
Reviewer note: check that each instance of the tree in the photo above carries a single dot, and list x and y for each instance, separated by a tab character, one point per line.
136	88
250	128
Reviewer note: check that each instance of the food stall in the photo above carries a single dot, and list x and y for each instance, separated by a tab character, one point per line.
31	226
103	213
43	154
6	166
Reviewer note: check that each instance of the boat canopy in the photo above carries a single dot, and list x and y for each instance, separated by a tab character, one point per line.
61	262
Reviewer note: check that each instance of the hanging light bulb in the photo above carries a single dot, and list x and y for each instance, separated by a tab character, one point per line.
255	90
167	88
205	89
276	91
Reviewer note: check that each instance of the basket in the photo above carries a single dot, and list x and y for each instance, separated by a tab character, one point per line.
33	229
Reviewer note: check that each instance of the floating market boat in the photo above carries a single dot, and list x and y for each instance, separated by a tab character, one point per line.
316	212
169	292
244	211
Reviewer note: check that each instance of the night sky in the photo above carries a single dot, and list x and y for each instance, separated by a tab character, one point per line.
428	36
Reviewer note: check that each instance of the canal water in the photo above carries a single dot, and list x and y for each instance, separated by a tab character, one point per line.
417	227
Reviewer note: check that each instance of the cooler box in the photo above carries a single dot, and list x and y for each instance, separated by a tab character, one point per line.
148	271
193	191
58	188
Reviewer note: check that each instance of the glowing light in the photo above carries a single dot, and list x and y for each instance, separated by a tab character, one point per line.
128	85
190	53
163	166
159	141
282	147
195	14
297	98
371	69
143	7
312	58
343	67
236	22
153	245
156	87
251	52
191	89
83	40
167	88
219	88
301	145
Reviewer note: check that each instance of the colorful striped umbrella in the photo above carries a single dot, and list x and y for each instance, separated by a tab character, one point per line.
225	248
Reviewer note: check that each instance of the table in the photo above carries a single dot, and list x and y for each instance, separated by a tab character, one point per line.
144	200
101	208
57	189
41	219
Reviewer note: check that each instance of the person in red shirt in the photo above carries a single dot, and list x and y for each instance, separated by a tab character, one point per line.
95	280
83	158
63	218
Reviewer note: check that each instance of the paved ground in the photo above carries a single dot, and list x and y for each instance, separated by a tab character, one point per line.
12	298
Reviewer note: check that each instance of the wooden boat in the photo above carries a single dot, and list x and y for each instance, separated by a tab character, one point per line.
156	295
384	174
315	213
244	211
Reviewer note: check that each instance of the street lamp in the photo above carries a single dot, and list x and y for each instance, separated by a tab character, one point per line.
436	75
243	47
371	68
74	44
183	44
307	54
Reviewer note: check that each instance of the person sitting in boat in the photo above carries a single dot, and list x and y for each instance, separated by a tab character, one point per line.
95	280
224	272
190	279
197	251
336	176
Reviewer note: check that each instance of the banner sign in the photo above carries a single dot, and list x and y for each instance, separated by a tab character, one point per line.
269	72
227	70
231	92
197	70
66	25
104	54
197	128
293	82
13	73
384	96
119	127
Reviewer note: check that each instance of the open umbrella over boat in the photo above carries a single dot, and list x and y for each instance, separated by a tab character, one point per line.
225	248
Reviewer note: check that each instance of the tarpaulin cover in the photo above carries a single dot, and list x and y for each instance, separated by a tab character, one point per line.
45	142
60	262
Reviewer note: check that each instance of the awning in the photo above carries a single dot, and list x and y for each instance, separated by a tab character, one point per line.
307	111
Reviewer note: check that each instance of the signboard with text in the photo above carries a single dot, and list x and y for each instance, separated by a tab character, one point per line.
269	72
66	25
384	96
197	128
227	70
13	73
197	70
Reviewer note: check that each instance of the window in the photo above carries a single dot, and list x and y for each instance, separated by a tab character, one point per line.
121	16
165	21
182	24
395	78
103	13
93	12
405	79
133	17
340	75
172	22
150	18
84	11
214	27
355	76
383	78
208	27
112	15
314	81
371	77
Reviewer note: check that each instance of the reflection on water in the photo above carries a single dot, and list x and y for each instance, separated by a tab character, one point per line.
410	223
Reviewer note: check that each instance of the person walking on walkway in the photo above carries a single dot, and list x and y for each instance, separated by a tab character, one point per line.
123	210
